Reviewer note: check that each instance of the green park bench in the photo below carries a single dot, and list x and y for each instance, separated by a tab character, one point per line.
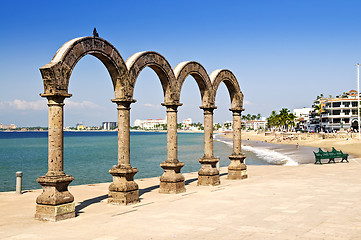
330	155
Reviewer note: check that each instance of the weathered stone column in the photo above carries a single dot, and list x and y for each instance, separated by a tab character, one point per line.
123	189
208	174
172	180
237	169
55	202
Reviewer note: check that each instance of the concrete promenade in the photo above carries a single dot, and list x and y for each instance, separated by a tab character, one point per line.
276	202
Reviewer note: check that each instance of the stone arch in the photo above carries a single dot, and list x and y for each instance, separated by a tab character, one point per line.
235	93
199	73
138	61
56	74
56	202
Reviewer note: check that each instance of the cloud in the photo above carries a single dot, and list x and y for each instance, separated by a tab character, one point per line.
18	104
155	106
79	105
41	105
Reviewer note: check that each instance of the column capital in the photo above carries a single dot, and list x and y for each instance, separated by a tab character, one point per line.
55	99
208	109
172	106
123	103
237	110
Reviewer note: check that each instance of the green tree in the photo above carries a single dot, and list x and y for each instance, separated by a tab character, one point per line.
273	120
319	108
283	120
291	121
216	126
227	125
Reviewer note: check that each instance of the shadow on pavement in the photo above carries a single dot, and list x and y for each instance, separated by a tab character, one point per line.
88	202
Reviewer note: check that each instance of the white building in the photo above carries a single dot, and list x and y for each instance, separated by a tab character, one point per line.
302	112
150	124
340	112
302	117
186	124
11	126
334	113
256	124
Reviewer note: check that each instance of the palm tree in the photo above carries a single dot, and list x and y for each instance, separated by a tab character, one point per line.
216	126
291	120
320	110
321	96
284	117
283	120
273	120
227	125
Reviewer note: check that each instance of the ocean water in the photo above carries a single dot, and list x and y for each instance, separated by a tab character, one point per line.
88	156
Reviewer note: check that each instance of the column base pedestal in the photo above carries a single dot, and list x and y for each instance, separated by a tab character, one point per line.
172	187
55	213
55	190
123	190
237	169
208	174
55	203
209	180
172	180
237	174
123	198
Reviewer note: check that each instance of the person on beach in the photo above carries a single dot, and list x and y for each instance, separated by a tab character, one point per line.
297	146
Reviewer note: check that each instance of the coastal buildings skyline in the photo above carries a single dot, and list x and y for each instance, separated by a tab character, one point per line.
325	114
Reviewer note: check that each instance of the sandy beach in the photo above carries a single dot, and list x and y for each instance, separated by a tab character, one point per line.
348	145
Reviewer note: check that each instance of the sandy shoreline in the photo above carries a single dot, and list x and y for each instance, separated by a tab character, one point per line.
347	145
263	153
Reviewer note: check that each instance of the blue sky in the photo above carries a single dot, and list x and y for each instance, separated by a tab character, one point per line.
283	53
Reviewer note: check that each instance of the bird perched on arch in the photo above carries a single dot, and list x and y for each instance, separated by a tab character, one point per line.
95	33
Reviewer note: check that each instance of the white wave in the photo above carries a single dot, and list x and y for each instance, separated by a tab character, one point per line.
268	155
271	156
